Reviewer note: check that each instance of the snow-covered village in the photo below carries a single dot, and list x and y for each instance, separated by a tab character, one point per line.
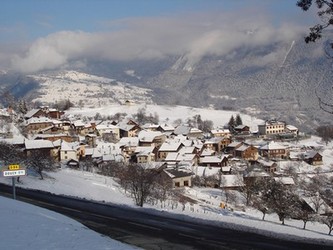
215	165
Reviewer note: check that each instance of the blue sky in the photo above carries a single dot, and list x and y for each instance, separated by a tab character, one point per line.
67	30
34	18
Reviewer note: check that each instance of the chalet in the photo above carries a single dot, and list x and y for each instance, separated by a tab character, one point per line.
150	127
274	150
168	147
242	129
145	154
221	133
217	144
268	166
42	146
128	130
35	113
232	182
54	113
214	161
177	157
79	127
285	180
178	177
35	125
55	137
151	138
91	140
166	129
128	146
247	152
313	158
70	151
254	172
108	129
231	147
195	133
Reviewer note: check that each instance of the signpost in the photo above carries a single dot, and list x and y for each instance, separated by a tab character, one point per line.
13	171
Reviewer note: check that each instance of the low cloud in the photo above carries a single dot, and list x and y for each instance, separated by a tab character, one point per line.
194	36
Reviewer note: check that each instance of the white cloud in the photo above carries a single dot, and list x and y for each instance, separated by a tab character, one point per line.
193	35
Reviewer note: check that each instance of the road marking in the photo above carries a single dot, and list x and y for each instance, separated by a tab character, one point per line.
141	225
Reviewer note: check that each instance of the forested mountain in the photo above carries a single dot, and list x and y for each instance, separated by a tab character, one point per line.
275	81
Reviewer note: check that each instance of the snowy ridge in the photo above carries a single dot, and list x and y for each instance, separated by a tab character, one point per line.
87	90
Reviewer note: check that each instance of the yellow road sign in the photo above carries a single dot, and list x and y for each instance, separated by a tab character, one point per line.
14	167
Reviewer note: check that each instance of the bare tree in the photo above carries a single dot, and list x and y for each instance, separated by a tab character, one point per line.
328	221
9	154
40	161
279	198
139	181
325	13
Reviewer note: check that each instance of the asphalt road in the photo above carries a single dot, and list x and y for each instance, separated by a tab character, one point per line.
152	231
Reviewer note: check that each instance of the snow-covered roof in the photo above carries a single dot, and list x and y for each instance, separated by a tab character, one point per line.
285	180
170	146
38	144
148	136
34	120
272	146
228	181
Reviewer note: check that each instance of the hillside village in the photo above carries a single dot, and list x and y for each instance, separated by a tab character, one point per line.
227	158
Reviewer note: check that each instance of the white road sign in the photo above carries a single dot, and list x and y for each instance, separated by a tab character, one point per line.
10	173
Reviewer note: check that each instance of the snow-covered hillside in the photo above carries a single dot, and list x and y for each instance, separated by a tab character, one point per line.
86	90
169	114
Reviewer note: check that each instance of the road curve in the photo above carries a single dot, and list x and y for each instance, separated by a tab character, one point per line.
153	231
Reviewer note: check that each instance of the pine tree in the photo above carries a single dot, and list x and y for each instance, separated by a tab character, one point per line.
232	122
238	120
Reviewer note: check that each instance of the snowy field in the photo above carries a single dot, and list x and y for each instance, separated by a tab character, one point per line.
169	114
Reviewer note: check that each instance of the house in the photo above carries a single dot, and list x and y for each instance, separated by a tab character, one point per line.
107	129
55	137
214	161
232	182
45	147
168	147
35	113
274	150
70	151
145	154
221	133
35	125
247	152
231	147
175	158
151	138
91	140
128	129
217	144
242	129
269	166
313	158
128	146
285	180
166	129
178	177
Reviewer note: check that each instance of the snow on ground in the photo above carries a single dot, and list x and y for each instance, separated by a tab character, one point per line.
24	226
104	189
169	114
